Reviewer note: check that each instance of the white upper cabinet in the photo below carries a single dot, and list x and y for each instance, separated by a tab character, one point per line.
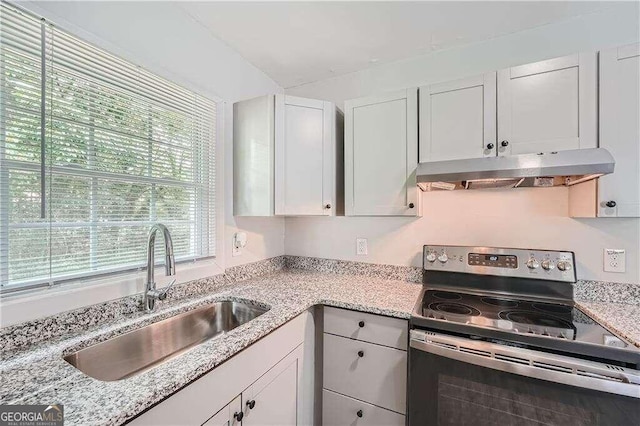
548	106
305	135
458	119
619	192
253	152
381	154
285	157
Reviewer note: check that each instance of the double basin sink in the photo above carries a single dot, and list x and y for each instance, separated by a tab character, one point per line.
139	350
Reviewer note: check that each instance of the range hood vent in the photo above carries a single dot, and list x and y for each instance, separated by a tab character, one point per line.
516	171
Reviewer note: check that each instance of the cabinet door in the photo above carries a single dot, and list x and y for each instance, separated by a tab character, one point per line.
305	156
381	153
253	157
458	119
228	416
620	130
548	106
272	399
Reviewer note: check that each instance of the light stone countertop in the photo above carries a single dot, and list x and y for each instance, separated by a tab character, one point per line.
41	376
621	318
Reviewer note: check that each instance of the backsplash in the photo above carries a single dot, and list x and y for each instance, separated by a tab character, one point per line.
587	290
59	326
392	272
66	323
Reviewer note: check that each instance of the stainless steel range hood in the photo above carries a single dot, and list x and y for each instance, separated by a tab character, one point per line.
512	171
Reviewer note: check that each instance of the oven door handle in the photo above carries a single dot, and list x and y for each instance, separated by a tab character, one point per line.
615	383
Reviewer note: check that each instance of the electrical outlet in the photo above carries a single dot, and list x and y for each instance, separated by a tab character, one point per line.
238	243
614	260
361	247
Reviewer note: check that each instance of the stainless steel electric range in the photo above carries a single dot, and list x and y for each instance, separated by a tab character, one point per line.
496	339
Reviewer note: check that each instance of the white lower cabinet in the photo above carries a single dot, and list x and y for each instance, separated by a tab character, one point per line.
364	371
272	399
228	416
269	383
339	409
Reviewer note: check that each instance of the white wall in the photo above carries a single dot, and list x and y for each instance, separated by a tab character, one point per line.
534	218
164	38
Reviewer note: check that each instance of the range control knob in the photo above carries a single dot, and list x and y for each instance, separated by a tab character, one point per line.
431	257
532	263
443	257
547	265
564	265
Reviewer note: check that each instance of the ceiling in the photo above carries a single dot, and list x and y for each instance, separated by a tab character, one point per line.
301	42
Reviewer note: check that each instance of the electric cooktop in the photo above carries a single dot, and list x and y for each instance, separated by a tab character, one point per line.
553	320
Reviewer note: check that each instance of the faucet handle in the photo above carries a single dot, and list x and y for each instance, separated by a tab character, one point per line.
163	293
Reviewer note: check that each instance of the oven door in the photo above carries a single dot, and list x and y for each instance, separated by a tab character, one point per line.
459	381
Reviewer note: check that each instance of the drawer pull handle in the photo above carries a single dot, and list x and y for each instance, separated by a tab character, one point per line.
359	413
251	404
360	354
361	324
238	416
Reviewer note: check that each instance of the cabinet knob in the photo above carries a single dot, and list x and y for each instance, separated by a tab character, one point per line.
328	206
490	145
360	354
361	324
251	403
359	413
411	205
238	416
610	204
504	143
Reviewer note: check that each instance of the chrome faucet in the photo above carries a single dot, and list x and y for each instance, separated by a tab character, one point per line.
151	294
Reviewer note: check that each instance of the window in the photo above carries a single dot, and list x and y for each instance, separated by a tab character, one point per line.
93	150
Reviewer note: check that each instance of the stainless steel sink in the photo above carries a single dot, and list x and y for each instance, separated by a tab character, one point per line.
144	348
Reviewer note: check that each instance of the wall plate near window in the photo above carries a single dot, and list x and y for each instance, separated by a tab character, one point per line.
239	242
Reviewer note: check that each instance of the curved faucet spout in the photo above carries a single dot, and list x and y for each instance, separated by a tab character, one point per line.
150	292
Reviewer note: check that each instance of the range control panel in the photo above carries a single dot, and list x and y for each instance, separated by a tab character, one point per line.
493	260
510	262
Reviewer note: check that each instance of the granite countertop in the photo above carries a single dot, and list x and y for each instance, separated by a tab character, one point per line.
41	376
621	318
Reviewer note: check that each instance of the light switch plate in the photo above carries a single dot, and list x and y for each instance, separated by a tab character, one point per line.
614	260
361	247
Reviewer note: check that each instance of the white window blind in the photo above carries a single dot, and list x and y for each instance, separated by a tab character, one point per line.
94	150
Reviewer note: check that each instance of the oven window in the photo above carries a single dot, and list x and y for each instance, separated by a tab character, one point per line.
449	392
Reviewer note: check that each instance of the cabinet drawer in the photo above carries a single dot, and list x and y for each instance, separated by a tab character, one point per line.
367	327
371	373
342	410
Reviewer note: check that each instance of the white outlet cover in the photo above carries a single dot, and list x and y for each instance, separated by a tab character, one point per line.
238	243
614	260
361	247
